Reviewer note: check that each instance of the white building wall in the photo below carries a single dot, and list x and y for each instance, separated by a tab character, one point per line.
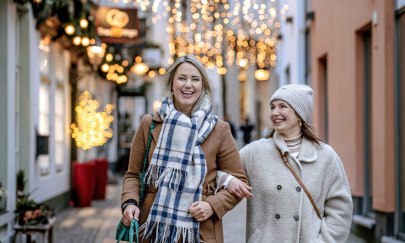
291	46
8	17
57	182
232	95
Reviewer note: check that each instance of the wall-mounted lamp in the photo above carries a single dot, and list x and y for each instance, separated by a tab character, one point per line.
262	74
95	53
139	67
70	29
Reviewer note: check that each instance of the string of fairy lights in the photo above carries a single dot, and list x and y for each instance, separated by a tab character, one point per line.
219	32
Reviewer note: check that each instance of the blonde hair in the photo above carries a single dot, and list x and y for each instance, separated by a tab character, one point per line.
169	76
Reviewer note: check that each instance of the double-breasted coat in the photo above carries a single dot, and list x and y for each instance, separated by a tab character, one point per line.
280	211
221	153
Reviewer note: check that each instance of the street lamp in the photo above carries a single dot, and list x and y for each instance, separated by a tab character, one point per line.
95	52
262	74
139	67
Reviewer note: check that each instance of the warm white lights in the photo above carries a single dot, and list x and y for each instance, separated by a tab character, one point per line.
85	41
140	68
77	40
156	105
262	74
219	32
96	54
221	70
105	67
92	128
70	29
84	23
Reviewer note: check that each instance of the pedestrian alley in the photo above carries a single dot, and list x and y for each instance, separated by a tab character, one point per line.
93	224
90	224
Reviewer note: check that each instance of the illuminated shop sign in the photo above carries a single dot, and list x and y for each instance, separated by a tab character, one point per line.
117	25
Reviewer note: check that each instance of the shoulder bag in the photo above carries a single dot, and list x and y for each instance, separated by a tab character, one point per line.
123	232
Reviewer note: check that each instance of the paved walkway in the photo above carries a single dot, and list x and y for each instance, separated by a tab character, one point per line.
90	224
93	224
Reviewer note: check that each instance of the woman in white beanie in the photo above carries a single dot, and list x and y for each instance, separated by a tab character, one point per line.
314	206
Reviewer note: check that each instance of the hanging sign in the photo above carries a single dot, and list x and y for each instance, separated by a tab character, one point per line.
117	25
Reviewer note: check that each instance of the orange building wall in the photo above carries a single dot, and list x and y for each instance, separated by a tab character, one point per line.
334	34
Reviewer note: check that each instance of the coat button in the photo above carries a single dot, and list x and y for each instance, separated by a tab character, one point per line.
277	216
279	187
296	217
298	189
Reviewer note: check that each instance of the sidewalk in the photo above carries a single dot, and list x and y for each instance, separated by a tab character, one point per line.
90	224
93	224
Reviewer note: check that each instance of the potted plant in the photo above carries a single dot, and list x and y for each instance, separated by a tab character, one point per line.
29	212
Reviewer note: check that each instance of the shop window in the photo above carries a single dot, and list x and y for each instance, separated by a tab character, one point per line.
59	128
43	128
52	115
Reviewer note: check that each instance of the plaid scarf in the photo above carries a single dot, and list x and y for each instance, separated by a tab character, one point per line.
177	169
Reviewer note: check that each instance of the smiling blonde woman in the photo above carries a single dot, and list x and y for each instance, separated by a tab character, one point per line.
189	145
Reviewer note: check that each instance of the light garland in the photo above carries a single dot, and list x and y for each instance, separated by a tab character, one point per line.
92	128
219	32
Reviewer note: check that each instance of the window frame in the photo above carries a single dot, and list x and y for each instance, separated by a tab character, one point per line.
399	224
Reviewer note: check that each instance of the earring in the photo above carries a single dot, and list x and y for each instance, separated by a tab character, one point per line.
300	123
172	93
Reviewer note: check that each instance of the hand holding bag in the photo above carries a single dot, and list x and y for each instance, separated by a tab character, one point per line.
128	234
125	234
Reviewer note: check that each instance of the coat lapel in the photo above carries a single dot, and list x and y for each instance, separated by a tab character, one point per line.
307	151
158	127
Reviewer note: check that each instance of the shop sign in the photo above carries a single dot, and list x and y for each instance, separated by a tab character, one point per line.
117	25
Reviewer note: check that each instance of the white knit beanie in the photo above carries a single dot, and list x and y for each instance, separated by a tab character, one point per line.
300	97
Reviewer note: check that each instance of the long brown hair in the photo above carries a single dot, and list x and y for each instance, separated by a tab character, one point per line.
306	130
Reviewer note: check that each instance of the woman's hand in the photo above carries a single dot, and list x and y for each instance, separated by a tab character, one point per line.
239	188
130	212
201	210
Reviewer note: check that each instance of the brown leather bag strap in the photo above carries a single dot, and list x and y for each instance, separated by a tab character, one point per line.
300	182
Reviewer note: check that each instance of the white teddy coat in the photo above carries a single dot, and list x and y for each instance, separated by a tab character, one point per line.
280	211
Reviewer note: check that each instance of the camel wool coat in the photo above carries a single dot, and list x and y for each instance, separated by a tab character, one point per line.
280	211
221	153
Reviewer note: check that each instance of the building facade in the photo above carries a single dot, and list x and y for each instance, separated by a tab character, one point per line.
37	99
292	45
356	69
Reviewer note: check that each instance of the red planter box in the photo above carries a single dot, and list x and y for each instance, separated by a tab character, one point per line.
101	172
83	183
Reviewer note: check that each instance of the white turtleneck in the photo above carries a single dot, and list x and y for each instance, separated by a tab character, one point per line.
294	145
